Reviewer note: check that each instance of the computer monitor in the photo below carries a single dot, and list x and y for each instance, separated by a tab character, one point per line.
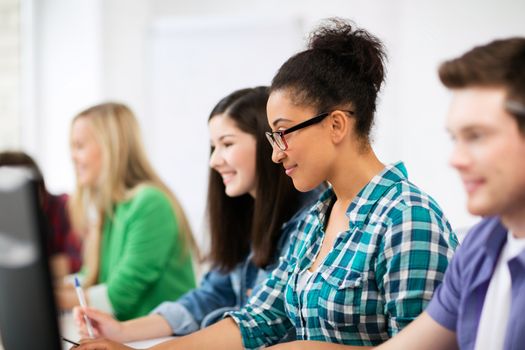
28	315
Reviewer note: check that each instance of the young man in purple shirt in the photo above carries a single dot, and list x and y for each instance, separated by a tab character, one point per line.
481	302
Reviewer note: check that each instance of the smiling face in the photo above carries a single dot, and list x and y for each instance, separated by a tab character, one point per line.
489	152
309	154
86	153
233	156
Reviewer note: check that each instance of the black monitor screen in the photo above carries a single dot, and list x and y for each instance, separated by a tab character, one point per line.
28	317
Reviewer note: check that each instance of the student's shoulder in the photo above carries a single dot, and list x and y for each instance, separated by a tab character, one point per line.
147	192
55	202
482	232
147	196
403	196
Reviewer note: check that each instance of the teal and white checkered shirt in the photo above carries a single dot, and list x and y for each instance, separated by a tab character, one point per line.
378	277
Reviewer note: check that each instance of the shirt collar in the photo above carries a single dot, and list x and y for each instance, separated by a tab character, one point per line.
496	238
364	202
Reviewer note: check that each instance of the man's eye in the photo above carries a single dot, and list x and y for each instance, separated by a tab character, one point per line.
473	136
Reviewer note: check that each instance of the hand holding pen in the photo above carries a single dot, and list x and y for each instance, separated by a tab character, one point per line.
82	300
104	325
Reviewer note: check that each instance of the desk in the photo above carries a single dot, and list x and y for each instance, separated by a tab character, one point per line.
69	330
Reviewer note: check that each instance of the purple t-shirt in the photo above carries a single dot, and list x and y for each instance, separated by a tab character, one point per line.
458	301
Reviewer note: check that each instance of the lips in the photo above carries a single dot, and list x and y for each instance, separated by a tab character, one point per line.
289	169
471	185
227	177
80	169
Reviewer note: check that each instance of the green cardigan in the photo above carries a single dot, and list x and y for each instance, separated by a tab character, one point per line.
142	261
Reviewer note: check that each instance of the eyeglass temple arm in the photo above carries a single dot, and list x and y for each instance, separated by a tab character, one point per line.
515	107
305	124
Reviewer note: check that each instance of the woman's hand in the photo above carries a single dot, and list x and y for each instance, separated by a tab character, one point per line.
104	325
99	344
66	297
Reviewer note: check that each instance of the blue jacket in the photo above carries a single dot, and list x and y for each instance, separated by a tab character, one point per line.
220	292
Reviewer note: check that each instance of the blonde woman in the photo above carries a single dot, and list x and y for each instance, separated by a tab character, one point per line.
139	243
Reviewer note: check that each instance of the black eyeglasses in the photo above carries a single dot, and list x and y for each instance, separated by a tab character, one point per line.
276	138
516	108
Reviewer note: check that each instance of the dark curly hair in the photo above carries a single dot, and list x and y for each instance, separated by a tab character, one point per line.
343	67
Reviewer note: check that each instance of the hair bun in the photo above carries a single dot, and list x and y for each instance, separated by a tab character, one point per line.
358	48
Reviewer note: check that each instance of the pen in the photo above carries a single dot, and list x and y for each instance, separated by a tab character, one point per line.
70	341
82	300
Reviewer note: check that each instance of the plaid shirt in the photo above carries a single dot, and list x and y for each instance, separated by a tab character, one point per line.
379	275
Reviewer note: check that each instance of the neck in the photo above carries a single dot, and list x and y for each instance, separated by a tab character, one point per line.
352	172
515	222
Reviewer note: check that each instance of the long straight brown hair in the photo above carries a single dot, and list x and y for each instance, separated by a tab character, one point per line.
125	168
238	224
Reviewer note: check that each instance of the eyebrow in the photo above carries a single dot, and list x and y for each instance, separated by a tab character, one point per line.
469	128
278	120
225	136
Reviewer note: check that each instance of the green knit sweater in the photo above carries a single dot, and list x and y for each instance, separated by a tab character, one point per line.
142	260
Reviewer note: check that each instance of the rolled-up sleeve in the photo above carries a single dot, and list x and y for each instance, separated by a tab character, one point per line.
443	307
263	321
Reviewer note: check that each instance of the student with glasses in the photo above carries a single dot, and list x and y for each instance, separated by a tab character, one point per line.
367	257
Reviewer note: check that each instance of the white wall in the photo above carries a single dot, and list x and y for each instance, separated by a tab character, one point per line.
67	66
91	49
431	32
124	49
10	69
193	64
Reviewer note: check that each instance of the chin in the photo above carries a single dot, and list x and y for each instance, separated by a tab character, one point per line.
303	187
84	183
230	193
480	209
233	192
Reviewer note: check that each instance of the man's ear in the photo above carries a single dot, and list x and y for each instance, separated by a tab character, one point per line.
340	125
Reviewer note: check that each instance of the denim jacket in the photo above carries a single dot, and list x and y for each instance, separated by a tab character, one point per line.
220	292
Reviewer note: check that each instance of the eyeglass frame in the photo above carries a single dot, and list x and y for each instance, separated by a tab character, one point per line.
515	108
271	136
